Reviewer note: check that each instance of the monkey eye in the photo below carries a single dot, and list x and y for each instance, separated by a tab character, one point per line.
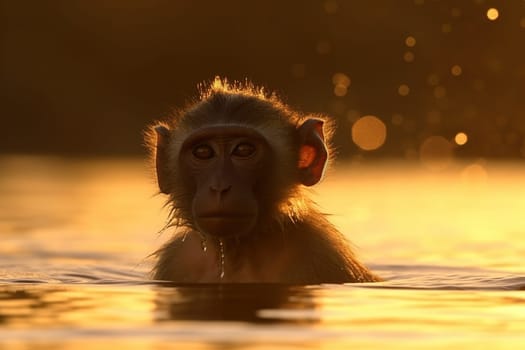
203	152
244	150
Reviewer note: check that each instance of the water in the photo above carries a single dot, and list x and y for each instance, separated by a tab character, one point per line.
76	235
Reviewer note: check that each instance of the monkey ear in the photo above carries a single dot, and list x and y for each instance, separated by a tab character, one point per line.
161	158
312	152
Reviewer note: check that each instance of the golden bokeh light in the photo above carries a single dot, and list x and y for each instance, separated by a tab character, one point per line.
492	14
323	47
408	57
352	115
369	133
456	70
436	153
298	70
446	28
331	6
341	79
340	90
434	117
461	138
397	119
433	79
455	12
474	174
440	92
410	41
410	154
403	90
478	85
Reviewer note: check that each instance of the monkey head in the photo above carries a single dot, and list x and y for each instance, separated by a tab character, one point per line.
234	159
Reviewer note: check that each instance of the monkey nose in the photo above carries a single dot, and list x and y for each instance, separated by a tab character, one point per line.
220	189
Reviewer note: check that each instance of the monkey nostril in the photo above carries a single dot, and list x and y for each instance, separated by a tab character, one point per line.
220	189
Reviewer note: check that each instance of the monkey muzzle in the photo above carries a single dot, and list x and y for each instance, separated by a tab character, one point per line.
222	224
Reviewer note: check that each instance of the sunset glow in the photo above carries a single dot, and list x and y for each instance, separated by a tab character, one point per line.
258	175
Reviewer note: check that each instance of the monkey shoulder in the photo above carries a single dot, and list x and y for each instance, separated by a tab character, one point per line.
183	259
325	256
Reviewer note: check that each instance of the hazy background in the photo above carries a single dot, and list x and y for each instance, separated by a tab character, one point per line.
443	77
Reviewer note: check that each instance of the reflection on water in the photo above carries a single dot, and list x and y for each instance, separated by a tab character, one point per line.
231	302
318	316
74	267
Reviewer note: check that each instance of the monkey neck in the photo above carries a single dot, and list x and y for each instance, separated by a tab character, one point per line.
307	249
282	236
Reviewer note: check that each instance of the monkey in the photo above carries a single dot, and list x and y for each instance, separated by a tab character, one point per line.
235	165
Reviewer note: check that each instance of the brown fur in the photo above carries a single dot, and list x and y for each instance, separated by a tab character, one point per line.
292	242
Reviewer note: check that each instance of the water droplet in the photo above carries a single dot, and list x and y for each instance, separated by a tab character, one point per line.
221	247
203	245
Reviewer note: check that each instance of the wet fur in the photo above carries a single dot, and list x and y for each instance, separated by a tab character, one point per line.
293	243
309	251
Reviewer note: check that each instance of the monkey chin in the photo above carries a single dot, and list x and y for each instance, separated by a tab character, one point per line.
226	226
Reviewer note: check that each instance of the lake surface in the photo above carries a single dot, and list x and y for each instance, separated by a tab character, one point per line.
76	235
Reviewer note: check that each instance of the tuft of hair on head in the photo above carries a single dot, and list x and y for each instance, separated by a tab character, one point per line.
244	88
223	85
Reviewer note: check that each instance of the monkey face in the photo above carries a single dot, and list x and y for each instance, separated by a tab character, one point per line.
232	164
224	165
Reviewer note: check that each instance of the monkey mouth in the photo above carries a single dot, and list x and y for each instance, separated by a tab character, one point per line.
223	224
226	216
